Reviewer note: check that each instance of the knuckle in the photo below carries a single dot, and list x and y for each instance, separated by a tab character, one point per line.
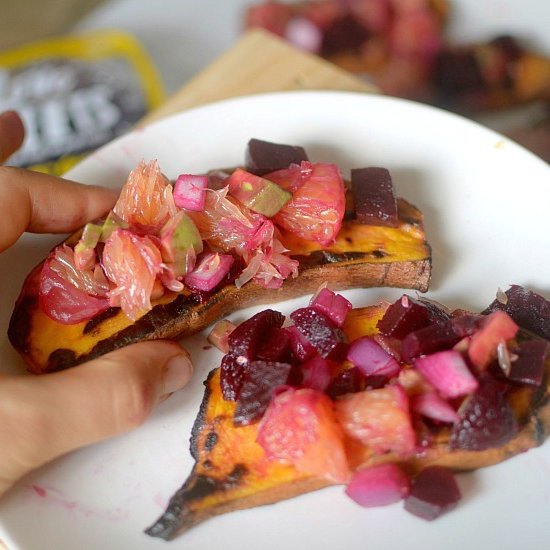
134	404
7	174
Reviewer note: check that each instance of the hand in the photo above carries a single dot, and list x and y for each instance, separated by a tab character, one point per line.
43	417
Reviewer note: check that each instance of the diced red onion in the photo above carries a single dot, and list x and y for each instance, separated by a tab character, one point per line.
220	333
304	34
378	486
371	358
333	305
433	406
190	192
317	373
448	372
210	270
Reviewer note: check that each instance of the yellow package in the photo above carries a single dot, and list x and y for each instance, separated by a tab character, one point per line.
75	94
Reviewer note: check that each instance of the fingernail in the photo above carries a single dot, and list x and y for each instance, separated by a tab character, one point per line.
178	372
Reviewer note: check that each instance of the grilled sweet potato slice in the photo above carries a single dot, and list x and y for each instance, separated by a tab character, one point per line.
361	256
232	471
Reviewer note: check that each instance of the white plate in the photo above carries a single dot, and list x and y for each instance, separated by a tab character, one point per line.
485	202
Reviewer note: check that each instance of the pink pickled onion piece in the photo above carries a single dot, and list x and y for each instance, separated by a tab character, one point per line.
62	301
378	485
190	192
318	373
447	372
219	335
433	406
333	305
304	34
210	270
366	354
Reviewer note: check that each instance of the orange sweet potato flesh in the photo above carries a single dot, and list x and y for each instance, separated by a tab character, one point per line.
231	471
362	256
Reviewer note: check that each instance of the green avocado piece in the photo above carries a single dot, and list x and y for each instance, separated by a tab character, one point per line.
259	194
178	236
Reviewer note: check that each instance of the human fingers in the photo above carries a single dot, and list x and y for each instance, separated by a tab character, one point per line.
43	417
40	203
12	134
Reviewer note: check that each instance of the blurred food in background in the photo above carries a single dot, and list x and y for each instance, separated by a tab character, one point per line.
75	94
401	47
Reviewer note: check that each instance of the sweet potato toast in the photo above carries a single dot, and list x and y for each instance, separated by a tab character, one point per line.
233	470
361	256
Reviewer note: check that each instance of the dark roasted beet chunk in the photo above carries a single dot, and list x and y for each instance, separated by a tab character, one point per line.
528	367
302	349
456	73
261	378
343	34
276	347
318	330
231	377
428	340
509	46
433	492
486	418
438	337
403	316
263	157
374	197
248	337
466	324
528	309
436	313
348	381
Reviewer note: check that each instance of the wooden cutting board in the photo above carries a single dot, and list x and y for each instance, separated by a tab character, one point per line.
258	63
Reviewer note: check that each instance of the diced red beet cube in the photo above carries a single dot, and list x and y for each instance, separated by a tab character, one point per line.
390	345
260	380
438	336
378	485
529	366
302	349
247	338
403	316
339	352
433	492
438	313
333	305
319	331
448	372
497	327
348	381
486	419
366	354
232	372
276	347
374	197
344	33
527	308
263	157
466	324
318	373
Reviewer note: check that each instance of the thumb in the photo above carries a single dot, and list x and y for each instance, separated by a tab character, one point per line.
46	416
